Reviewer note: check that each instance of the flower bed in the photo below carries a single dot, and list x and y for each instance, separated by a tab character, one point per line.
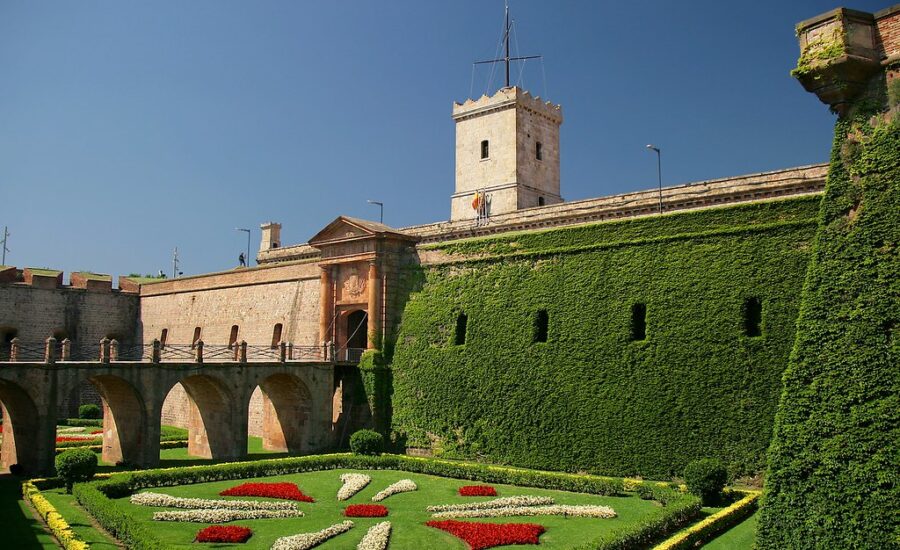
224	533
304	541
487	535
477	491
377	537
221	515
402	486
167	501
553	510
713	525
286	491
505	502
365	511
353	483
57	524
82	438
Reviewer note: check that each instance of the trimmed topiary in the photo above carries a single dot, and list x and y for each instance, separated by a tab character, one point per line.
367	442
706	478
90	411
76	465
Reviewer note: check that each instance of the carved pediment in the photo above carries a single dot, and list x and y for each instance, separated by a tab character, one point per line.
347	229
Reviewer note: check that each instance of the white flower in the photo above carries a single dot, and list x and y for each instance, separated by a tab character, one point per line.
377	537
167	501
222	515
353	483
402	486
553	510
303	541
522	500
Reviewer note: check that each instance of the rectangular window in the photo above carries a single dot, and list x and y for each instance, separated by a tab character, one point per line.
276	335
541	322
162	337
538	151
639	322
485	149
752	317
462	321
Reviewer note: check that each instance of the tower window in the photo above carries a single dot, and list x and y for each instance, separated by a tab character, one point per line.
462	321
232	338
752	317
276	335
485	149
538	151
541	322
162	337
639	322
196	337
540	201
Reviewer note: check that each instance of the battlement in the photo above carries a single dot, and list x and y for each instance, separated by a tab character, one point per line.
52	279
506	98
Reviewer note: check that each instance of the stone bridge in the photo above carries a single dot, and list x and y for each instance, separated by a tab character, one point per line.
297	401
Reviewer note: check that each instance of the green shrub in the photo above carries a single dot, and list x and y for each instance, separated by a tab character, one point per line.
90	412
367	442
79	422
76	465
706	478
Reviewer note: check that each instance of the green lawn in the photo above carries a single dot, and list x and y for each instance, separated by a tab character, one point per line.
407	512
21	530
741	537
78	519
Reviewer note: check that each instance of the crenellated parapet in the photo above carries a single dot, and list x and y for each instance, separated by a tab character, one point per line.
504	99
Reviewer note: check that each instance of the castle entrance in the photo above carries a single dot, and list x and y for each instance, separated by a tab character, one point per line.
357	331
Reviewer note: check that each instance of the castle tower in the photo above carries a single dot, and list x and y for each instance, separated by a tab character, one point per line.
271	236
507	148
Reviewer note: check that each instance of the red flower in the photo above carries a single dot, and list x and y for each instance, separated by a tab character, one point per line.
223	533
286	491
487	535
477	491
365	511
95	432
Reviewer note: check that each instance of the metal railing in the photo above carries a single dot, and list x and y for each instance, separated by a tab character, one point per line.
52	351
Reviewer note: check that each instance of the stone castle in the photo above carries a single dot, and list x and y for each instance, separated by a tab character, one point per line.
345	291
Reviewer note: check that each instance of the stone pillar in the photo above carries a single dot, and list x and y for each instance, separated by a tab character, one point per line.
113	350
326	302
14	350
198	352
242	354
290	351
66	350
50	350
374	333
104	350
282	351
156	352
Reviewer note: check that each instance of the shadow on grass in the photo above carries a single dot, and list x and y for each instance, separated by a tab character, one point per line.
20	528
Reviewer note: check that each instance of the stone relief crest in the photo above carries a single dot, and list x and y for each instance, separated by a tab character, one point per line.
355	284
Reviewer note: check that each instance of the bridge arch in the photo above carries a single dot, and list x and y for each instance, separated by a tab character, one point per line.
286	410
20	428
212	420
124	420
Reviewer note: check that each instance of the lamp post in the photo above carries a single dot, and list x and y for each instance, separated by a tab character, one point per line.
658	172
247	231
381	206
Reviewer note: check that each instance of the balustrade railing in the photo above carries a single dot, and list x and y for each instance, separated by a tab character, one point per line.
111	351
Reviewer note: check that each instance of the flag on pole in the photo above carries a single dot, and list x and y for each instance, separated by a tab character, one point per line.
476	202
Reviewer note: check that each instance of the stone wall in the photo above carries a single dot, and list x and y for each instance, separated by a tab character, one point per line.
34	314
254	300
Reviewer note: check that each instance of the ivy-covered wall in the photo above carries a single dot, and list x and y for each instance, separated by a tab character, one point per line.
590	397
834	465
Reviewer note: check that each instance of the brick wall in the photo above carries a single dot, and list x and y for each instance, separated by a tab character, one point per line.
888	36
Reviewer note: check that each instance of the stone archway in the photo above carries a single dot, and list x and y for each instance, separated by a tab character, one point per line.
20	429
124	420
286	406
357	329
211	421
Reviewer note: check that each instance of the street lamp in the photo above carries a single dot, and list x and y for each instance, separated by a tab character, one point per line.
381	206
247	231
658	172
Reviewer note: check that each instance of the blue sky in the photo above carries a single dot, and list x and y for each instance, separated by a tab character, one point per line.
128	128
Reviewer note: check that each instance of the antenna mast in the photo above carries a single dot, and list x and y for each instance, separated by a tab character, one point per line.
5	250
175	263
506	58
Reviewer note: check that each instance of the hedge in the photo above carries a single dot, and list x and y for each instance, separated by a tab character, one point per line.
834	464
590	398
96	496
710	527
55	522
